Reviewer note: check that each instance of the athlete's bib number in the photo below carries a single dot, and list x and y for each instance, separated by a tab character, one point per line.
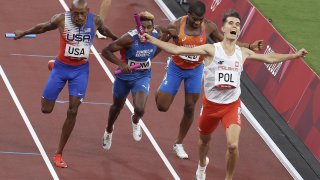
77	51
190	57
143	64
226	79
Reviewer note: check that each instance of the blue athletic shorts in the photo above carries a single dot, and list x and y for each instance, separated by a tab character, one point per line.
121	88
172	80
77	77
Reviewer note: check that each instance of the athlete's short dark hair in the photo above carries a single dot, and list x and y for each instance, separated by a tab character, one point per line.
230	13
198	8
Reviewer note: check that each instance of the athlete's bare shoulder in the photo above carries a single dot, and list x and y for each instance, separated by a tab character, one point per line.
97	20
160	30
210	49
174	26
212	31
60	15
246	52
177	22
210	25
57	19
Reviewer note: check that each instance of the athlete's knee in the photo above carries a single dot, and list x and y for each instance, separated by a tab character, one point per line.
204	141
161	102
232	147
46	110
162	107
46	106
139	111
116	108
189	109
72	112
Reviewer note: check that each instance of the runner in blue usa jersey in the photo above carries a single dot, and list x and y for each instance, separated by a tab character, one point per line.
133	51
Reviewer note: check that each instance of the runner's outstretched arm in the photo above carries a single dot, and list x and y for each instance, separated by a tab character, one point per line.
40	28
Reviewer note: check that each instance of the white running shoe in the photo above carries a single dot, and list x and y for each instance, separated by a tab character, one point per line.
107	140
136	130
201	174
179	150
100	36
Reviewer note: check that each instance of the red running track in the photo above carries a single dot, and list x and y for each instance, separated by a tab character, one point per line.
127	159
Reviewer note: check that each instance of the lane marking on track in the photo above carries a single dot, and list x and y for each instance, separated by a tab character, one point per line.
33	55
28	124
129	105
85	102
267	139
20	153
46	56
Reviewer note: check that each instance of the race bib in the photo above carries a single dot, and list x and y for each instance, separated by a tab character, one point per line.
193	58
226	79
143	64
76	51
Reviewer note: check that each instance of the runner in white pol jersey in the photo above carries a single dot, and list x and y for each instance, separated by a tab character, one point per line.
222	68
222	76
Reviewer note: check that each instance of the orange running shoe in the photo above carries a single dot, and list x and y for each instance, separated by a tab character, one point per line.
57	159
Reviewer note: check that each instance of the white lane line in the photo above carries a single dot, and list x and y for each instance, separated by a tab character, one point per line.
28	124
165	10
274	148
46	56
85	102
129	105
33	55
20	153
157	62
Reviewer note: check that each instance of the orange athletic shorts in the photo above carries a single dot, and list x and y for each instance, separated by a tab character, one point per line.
212	113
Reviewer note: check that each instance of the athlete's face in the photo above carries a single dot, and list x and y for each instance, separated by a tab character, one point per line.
195	21
147	26
231	28
79	15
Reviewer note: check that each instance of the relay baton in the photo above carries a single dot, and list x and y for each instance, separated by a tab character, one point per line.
12	35
133	67
138	23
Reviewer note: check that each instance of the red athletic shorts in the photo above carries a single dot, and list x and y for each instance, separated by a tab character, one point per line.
212	113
